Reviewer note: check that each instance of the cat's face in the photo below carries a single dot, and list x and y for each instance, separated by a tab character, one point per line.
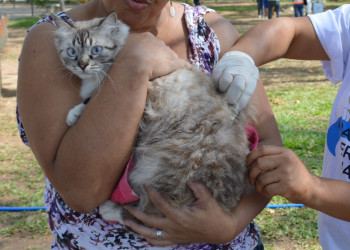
88	48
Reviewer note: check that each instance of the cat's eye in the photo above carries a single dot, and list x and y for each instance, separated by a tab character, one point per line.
96	50
71	52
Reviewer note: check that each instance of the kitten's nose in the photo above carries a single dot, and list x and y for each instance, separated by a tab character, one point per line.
82	65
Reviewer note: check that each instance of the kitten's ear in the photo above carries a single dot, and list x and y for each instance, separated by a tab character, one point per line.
61	25
115	26
111	19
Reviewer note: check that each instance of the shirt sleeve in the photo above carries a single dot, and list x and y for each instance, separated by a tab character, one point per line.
332	29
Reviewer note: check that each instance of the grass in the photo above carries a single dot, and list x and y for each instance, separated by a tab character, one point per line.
23	22
234	8
21	183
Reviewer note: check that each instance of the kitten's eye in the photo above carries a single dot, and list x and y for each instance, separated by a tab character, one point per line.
96	50
71	52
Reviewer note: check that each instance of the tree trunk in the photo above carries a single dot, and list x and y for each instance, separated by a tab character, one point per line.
62	7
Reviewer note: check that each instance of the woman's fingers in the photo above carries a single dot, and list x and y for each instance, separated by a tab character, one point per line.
201	193
161	204
150	234
147	219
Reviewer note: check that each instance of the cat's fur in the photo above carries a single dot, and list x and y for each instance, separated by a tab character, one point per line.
187	133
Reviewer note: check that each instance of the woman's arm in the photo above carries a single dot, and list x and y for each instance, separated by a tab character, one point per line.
83	162
293	38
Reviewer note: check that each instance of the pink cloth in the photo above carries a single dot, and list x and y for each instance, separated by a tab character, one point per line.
123	192
252	136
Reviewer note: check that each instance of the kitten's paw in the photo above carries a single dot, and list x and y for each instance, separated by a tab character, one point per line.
111	211
74	114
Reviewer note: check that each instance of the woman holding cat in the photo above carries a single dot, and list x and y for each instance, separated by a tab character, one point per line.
83	163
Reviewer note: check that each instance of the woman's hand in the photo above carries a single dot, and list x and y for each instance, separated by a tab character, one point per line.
144	53
204	221
278	171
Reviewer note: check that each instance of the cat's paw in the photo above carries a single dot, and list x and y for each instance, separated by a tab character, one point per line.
111	211
74	114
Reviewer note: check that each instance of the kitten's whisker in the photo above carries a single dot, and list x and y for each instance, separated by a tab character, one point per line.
110	79
66	72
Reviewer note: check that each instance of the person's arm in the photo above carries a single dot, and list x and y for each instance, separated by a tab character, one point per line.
196	223
284	37
278	171
85	161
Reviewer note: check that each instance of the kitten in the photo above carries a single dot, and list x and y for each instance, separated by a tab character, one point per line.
188	131
88	50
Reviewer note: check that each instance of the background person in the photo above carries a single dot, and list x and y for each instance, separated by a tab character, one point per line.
308	7
260	8
273	5
298	6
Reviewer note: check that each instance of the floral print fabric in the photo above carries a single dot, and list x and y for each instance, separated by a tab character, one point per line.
74	230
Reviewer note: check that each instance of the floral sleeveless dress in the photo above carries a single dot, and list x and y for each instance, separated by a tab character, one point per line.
74	230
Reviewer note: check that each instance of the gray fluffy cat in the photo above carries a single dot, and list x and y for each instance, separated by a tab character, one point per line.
188	132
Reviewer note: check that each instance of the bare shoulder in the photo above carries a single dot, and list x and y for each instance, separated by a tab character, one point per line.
38	48
44	92
39	63
225	31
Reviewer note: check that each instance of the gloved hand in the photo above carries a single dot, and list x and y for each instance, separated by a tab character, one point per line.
236	75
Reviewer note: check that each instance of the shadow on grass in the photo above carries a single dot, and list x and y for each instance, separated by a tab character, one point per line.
7	93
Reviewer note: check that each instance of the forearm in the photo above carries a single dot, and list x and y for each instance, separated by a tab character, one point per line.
264	120
266	41
330	197
284	37
101	142
247	209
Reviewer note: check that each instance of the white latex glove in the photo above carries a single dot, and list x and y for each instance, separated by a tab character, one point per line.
236	75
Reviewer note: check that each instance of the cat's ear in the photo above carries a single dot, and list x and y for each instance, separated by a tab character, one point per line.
62	26
110	20
115	26
123	30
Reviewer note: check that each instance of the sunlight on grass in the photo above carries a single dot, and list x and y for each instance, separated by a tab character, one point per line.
23	22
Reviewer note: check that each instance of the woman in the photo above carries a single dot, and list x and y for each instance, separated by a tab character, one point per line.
83	163
278	171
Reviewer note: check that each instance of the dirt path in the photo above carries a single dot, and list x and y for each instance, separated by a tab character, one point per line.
9	64
19	243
